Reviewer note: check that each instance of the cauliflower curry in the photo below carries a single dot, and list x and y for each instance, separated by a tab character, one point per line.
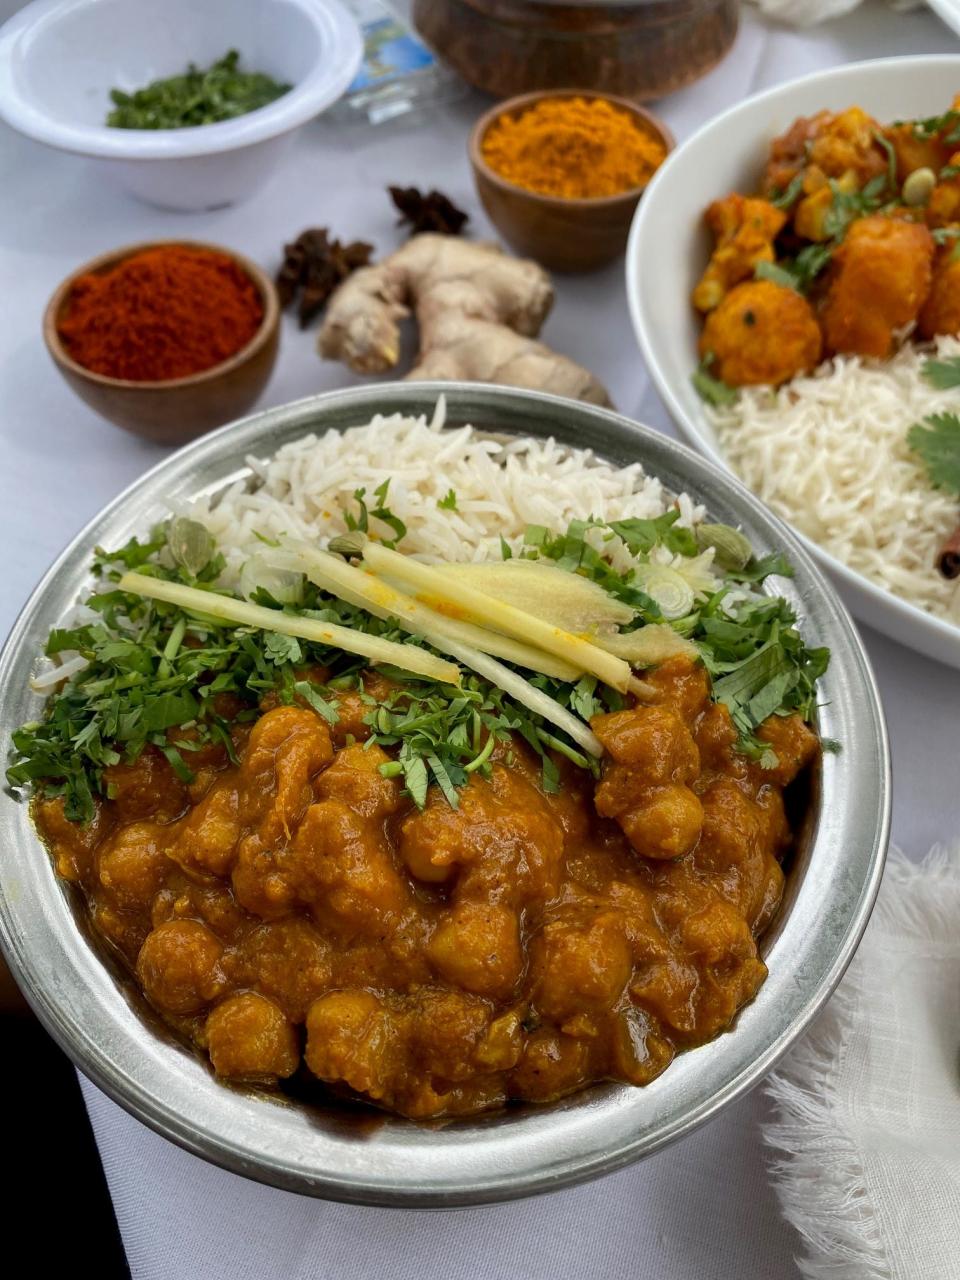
852	243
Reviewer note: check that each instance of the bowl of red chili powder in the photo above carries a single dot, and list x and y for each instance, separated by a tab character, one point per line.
167	340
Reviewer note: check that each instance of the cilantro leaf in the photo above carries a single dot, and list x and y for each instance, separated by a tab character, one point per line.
132	555
758	570
809	262
887	147
415	778
281	649
322	707
712	390
641	536
938	444
361	523
945	126
785	198
942	374
777	274
449	501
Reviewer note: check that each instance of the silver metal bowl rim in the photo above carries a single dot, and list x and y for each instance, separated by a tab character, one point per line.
461	1164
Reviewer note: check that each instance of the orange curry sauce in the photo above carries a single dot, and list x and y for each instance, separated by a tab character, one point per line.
297	914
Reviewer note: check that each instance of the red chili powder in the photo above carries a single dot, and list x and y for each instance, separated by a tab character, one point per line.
164	313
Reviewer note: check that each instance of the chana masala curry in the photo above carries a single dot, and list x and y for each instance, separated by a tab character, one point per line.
327	853
298	906
851	243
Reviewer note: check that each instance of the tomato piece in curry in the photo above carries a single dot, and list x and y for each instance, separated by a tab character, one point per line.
296	914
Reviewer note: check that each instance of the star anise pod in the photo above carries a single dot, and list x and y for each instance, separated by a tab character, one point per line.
430	212
313	266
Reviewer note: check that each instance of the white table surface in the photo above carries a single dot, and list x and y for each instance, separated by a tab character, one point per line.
701	1210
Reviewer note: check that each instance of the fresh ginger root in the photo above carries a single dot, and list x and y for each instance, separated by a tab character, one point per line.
478	311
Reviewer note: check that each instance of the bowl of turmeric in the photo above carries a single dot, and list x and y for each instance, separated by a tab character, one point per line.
560	172
167	339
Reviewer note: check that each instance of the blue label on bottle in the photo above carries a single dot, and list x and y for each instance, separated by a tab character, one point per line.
389	52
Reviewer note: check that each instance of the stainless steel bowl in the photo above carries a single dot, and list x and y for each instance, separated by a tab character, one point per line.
340	1153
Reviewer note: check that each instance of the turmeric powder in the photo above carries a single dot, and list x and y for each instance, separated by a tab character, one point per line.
575	148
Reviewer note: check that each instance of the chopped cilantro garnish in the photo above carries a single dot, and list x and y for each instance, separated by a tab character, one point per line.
801	271
449	501
797	273
759	663
154	672
777	274
281	650
847	206
887	146
380	512
945	126
641	536
785	198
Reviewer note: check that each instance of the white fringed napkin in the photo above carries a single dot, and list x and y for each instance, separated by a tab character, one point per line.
865	1111
807	13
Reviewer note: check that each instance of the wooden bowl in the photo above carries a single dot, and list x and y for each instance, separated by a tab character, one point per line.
562	234
177	409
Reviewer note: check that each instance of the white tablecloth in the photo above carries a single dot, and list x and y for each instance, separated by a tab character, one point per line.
701	1210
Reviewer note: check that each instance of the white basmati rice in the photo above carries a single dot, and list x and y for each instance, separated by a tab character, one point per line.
501	486
829	453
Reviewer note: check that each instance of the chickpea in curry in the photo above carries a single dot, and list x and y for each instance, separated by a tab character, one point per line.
295	915
852	242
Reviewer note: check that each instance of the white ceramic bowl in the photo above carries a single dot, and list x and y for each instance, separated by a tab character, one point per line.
59	59
669	247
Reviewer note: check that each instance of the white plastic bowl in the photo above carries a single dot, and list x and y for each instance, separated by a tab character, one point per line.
59	59
669	247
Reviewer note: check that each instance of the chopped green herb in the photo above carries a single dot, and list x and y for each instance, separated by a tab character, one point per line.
776	563
641	536
222	92
797	273
759	663
712	389
945	126
777	274
887	146
361	523
449	501
784	199
309	694
282	650
847	206
809	262
942	374
154	672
